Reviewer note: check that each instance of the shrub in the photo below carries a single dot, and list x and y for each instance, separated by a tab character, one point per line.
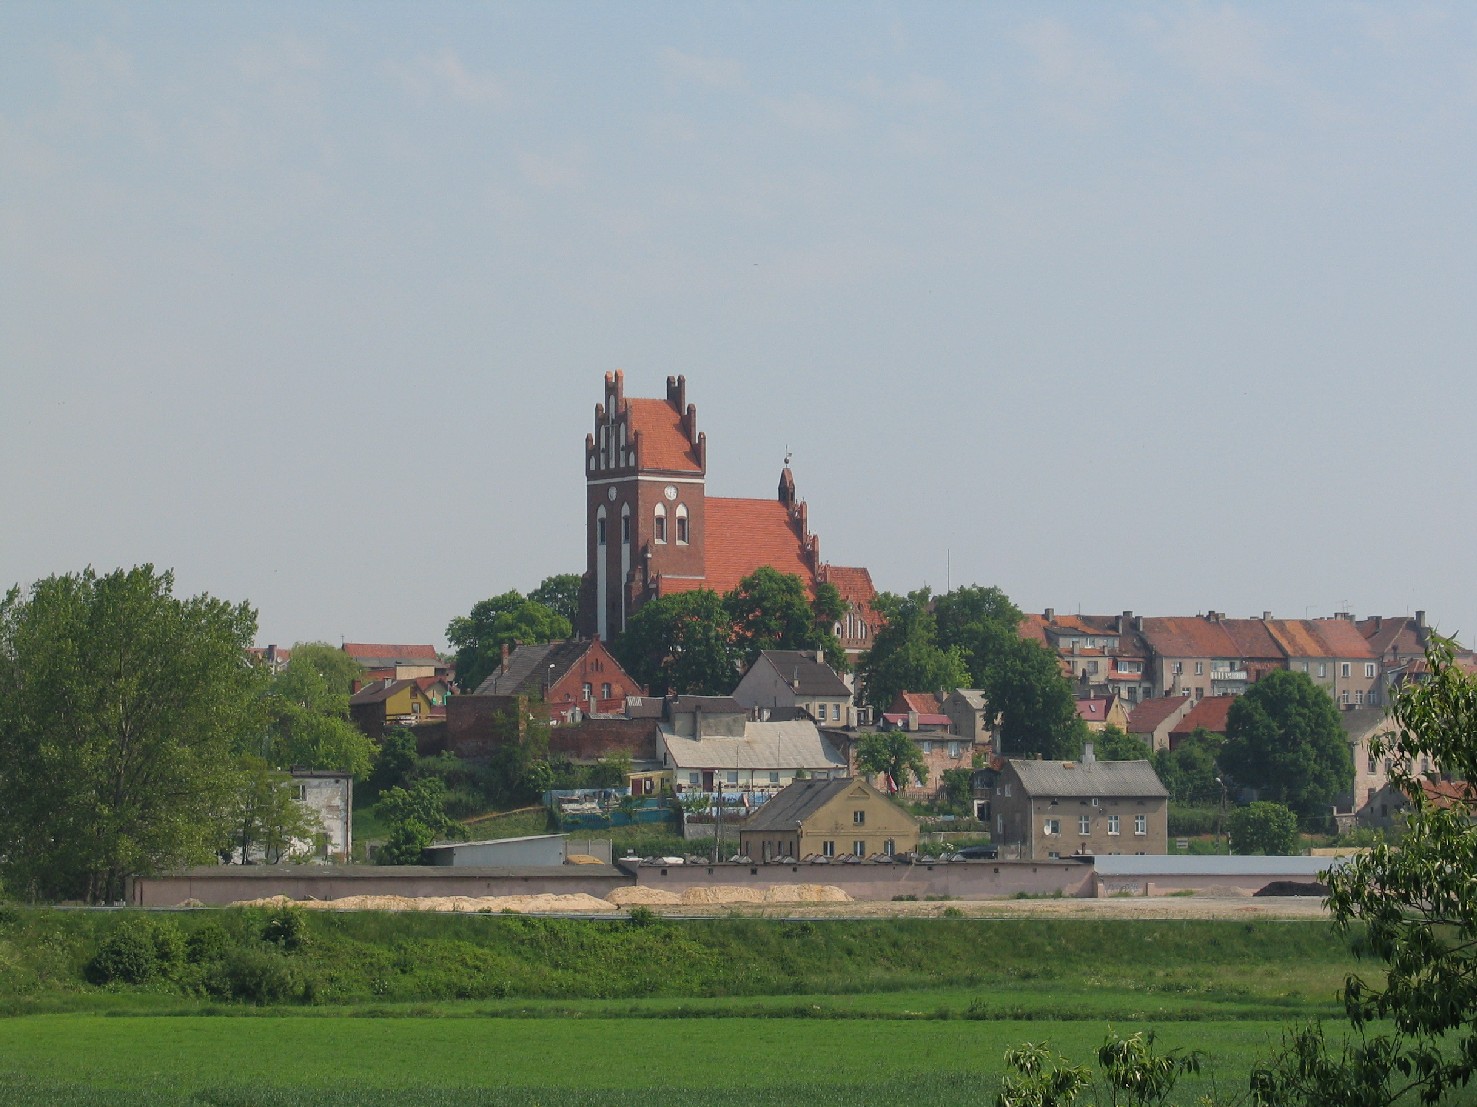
257	976
206	943
138	949
287	927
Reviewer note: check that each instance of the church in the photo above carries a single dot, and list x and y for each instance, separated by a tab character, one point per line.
651	529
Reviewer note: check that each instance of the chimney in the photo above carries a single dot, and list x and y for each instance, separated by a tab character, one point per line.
505	657
1138	622
1266	616
1050	614
820	656
1088	757
1420	620
912	720
1125	621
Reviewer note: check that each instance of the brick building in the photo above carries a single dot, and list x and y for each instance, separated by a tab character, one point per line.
652	530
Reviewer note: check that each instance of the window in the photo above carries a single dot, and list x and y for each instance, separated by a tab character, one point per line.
1084	824
605	691
1344	696
694	779
859	847
300	792
955	750
820	712
1323	668
1112	824
1374	766
1344	668
1369	669
858	818
828	849
1358	697
774	776
1179	667
733	777
1199	668
661	523
626	525
681	524
1141	824
600	528
1052	826
1305	666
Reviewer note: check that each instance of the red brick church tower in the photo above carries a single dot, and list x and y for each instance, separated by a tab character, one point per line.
651	529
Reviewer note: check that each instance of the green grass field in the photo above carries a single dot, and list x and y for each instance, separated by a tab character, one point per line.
430	1009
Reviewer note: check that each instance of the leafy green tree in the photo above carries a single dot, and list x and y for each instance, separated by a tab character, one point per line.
1414	1025
398	754
479	636
770	610
680	645
1024	687
906	655
337	668
267	822
560	594
1263	827
1113	743
1284	739
120	704
415	817
307	717
894	753
980	622
1189	770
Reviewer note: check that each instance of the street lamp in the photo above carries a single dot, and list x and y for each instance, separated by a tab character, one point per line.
1221	818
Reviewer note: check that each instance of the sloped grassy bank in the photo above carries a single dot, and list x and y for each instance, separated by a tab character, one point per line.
513	965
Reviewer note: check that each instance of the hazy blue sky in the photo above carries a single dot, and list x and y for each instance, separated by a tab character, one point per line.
1167	307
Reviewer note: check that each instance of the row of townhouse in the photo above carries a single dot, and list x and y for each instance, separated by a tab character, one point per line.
1138	658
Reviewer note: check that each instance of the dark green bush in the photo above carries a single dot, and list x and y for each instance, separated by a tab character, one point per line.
287	927
206	943
1186	821
137	950
256	975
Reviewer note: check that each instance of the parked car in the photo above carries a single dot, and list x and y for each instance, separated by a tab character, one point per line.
980	853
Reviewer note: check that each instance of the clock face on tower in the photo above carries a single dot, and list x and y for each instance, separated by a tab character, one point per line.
611	495
670	491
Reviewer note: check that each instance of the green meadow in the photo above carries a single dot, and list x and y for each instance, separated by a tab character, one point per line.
370	1008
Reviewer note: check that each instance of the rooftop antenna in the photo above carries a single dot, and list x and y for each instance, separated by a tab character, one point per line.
787	454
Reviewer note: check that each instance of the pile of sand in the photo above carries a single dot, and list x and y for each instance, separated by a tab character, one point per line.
582	859
806	893
632	897
544	902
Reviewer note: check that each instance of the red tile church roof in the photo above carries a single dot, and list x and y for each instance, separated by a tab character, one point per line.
664	442
741	536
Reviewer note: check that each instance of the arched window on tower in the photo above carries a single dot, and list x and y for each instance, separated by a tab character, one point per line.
660	532
625	524
600	526
681	524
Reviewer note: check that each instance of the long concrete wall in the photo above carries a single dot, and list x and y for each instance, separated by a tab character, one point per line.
956	879
216	885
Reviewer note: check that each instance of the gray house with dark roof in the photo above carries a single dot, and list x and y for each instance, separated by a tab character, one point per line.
791	679
1045	809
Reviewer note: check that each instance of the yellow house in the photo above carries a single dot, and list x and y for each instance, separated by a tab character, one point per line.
391	703
828	818
1099	714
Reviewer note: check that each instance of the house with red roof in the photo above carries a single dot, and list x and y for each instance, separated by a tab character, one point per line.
1099	713
652	530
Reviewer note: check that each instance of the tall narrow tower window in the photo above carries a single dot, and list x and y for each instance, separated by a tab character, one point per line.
682	524
600	527
626	524
660	530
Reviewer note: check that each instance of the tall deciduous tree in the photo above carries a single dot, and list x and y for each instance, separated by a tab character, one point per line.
906	655
1115	744
1414	1024
1263	827
479	636
267	823
307	715
121	711
1284	739
1190	770
892	752
1025	689
770	610
680	645
560	593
